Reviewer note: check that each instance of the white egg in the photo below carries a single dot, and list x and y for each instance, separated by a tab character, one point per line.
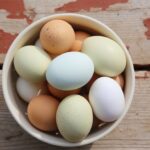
107	99
27	90
70	71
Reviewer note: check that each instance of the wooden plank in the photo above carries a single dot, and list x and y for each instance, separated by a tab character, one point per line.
132	134
129	18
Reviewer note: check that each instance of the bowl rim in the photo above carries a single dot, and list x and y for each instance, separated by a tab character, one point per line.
8	98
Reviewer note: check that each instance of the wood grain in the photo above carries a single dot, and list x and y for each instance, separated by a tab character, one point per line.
132	134
129	19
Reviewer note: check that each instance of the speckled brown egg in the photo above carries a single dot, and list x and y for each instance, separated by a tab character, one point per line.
60	93
42	112
80	36
57	36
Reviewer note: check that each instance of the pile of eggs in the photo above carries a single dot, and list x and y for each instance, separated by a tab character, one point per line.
71	80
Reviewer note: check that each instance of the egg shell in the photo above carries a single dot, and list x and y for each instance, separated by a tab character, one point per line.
81	35
61	94
107	99
42	112
108	56
70	71
120	80
27	90
76	46
38	44
31	63
89	84
74	118
57	36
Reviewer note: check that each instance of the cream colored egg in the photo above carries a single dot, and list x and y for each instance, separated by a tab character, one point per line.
108	56
31	63
74	118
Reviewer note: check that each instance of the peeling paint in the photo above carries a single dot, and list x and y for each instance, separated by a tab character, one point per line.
88	4
5	40
147	25
15	9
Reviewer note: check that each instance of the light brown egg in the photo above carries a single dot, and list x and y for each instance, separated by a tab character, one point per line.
96	122
77	45
94	77
57	36
80	36
42	112
61	94
120	80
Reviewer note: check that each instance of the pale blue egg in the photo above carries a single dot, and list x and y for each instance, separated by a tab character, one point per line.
70	71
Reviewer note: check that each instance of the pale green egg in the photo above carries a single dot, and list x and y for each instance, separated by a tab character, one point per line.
31	62
74	118
108	56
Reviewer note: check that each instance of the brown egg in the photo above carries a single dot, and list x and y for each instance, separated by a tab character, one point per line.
80	36
61	94
77	45
42	112
94	77
96	122
120	80
57	36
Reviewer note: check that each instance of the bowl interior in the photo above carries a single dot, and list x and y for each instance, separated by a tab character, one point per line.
18	108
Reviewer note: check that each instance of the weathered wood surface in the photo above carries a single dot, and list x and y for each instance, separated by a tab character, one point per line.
132	134
129	18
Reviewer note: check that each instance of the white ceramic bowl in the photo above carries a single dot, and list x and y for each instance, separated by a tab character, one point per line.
18	107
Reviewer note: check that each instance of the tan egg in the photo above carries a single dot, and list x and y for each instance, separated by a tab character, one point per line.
60	93
76	45
42	112
81	35
94	77
120	80
57	36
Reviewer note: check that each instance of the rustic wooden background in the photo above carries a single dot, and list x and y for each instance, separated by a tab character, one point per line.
131	20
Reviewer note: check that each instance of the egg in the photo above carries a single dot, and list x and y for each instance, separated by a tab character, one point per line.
57	36
42	112
76	46
80	36
27	90
61	94
108	56
120	80
70	71
74	118
107	99
38	44
31	63
89	84
96	122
